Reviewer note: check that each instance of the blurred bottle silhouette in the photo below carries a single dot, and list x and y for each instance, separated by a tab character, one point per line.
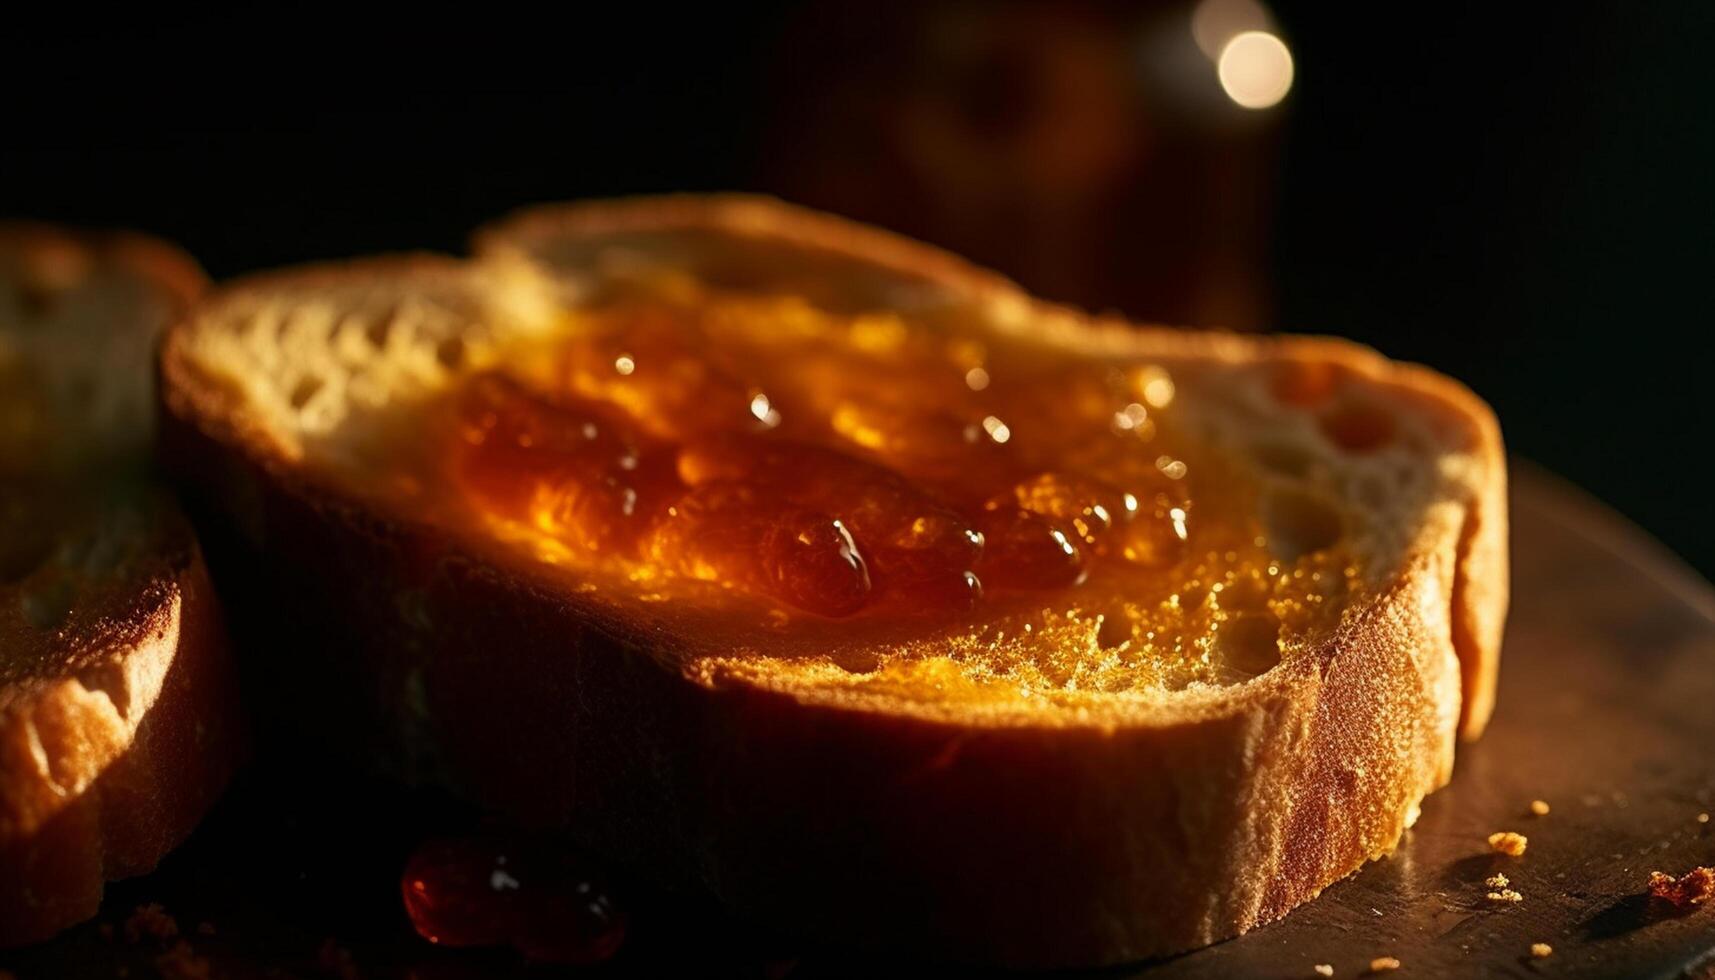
1090	151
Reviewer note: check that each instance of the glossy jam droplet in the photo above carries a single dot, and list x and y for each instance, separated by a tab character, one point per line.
488	891
920	552
450	894
1083	507
570	469
743	535
1021	550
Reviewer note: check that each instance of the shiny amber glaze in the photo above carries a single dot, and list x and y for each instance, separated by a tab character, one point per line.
867	469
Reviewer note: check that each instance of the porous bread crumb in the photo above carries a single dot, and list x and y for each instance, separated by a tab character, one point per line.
1541	951
1382	964
1497	881
1505	895
150	920
183	963
1692	888
1324	969
1539	808
1508	843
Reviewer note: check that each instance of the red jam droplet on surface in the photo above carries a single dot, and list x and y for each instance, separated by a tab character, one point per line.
537	898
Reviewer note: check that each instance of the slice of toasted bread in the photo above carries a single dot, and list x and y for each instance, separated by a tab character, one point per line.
994	785
118	704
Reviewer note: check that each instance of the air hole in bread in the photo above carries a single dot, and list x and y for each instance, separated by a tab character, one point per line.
1115	631
450	353
1177	680
1373	491
1298	523
1249	643
1304	384
858	661
1245	594
1287	460
379	329
1358	427
304	390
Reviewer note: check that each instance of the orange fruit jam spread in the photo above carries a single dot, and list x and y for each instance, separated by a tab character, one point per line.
899	495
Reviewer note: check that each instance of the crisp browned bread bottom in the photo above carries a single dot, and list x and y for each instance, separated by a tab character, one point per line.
87	801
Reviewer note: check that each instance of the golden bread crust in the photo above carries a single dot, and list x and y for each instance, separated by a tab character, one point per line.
1054	843
107	768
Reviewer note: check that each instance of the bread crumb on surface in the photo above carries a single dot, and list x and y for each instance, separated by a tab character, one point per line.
150	920
1541	951
1539	808
1497	881
1324	969
1508	843
182	963
1382	964
1703	818
1505	895
1692	888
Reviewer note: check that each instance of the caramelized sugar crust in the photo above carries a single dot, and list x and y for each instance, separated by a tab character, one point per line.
1006	520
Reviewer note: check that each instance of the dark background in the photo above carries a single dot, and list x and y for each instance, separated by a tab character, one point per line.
1521	198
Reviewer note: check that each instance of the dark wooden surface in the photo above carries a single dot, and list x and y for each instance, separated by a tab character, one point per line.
1607	712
